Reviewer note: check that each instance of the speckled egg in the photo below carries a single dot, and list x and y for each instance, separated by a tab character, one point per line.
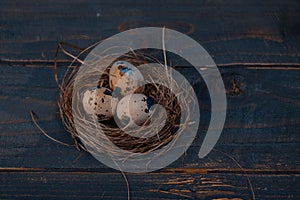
125	78
134	109
99	101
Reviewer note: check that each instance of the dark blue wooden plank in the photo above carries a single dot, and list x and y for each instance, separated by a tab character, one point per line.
231	31
262	127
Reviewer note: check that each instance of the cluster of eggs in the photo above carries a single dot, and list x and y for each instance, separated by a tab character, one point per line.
123	98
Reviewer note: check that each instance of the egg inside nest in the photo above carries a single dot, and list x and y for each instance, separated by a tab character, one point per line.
99	101
125	78
134	109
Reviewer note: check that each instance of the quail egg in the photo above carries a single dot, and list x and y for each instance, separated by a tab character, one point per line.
125	78
134	109
99	101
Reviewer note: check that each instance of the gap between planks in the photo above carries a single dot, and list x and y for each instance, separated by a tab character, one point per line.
248	65
164	171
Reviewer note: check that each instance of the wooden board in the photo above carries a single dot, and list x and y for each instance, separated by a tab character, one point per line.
255	45
231	31
94	185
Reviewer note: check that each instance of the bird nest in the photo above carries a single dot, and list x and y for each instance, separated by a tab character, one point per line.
168	92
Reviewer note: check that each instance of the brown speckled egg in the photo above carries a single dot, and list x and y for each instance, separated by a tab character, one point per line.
99	101
134	109
125	78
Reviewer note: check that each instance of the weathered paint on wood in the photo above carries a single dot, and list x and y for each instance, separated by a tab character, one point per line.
257	48
57	184
231	31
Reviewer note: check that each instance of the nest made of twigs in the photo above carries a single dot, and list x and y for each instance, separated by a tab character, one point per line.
85	132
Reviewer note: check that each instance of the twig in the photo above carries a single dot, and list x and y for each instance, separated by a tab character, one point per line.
127	185
237	163
48	136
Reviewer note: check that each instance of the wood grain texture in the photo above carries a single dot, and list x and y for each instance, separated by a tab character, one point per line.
256	46
231	31
94	185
